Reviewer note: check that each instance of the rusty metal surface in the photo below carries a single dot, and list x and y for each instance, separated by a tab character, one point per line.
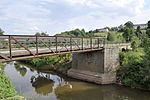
15	47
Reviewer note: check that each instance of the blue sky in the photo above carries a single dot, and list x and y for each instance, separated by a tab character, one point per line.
55	16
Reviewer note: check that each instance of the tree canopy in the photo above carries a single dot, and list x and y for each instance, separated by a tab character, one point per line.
148	24
111	36
1	32
128	33
75	33
129	24
148	29
41	34
138	31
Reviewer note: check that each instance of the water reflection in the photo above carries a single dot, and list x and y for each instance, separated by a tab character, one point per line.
89	92
42	83
21	69
52	86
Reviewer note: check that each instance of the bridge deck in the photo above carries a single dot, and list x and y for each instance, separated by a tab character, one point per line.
18	47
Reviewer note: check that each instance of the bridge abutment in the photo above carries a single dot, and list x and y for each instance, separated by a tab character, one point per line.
97	66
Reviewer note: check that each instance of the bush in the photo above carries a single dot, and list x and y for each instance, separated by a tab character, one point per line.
133	71
131	57
61	62
112	36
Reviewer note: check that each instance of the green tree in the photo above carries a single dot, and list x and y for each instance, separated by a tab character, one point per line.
138	31
114	29
41	34
129	24
37	34
128	33
143	37
1	32
135	42
76	33
44	34
148	29
148	24
120	28
108	28
112	36
147	46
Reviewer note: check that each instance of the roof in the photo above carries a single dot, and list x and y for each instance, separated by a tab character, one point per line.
140	24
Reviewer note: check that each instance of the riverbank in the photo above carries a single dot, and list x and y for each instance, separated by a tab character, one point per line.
60	64
53	86
131	73
134	71
7	90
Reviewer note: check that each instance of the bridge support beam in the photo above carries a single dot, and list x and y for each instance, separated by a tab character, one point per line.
97	66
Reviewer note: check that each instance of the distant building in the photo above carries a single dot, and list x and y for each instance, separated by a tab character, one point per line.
142	26
103	30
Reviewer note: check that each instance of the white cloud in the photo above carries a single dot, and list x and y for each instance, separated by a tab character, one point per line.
53	16
131	6
35	28
76	1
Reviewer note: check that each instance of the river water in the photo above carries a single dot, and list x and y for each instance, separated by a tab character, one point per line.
36	85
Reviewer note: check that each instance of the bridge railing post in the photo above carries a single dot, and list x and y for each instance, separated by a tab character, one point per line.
56	43
70	44
98	42
10	51
91	42
37	51
104	43
82	43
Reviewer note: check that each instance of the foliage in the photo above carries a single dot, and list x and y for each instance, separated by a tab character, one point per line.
41	34
134	70
148	24
130	76
6	87
135	42
131	57
114	29
148	29
1	32
120	38
111	36
147	51
108	28
120	28
142	38
128	33
76	33
129	24
138	31
62	62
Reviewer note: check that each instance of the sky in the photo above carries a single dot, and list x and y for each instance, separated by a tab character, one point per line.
54	16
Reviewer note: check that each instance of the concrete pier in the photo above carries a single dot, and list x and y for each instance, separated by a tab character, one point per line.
97	66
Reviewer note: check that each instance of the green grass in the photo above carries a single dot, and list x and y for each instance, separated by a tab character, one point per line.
6	88
104	34
143	31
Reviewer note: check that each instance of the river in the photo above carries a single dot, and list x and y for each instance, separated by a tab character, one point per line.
36	85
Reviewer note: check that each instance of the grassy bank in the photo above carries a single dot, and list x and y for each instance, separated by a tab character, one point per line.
61	63
133	71
6	88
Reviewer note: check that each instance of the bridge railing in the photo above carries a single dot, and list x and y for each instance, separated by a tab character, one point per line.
21	45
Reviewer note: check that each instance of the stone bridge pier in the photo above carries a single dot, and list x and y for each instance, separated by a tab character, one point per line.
96	66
